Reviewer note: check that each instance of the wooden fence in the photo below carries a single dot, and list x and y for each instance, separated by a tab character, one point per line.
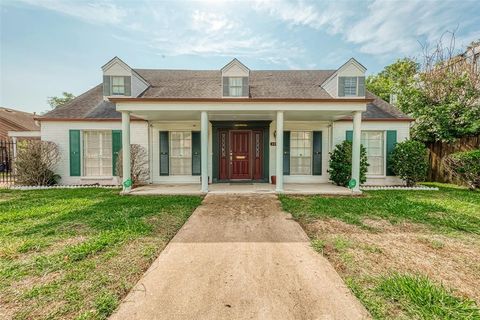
438	150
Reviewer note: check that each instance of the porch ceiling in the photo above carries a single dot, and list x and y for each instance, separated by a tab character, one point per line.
223	115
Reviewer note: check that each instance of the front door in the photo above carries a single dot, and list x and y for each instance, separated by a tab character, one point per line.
240	166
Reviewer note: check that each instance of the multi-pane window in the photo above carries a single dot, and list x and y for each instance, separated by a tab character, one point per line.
97	153
350	88
180	153
118	85
235	86
373	141
300	152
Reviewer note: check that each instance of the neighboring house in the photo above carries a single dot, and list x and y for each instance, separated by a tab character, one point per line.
17	122
232	124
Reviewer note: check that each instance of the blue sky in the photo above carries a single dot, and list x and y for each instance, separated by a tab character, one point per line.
50	46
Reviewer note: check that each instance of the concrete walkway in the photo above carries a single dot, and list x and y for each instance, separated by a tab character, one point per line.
240	257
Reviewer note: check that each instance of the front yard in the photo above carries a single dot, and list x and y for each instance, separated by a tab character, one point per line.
405	254
74	253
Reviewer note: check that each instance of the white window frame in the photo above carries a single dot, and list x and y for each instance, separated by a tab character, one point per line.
84	153
118	86
311	153
171	157
384	141
230	87
345	87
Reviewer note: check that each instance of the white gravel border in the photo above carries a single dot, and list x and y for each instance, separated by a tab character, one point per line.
61	187
423	188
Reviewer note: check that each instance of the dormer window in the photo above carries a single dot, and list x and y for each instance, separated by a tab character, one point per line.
235	86
117	86
351	86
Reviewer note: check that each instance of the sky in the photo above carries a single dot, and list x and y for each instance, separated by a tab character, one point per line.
51	46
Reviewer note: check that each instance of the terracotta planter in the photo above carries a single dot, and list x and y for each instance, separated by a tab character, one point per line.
274	179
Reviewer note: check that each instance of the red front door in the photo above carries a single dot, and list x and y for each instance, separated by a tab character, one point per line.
240	166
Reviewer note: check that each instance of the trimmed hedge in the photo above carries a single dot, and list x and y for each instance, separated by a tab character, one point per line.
410	161
465	166
340	164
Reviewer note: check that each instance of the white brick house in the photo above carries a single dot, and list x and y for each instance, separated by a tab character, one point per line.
231	124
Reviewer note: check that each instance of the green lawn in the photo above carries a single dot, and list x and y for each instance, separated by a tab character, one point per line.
404	254
74	253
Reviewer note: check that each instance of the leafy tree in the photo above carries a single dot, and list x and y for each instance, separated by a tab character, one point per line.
55	102
340	164
442	93
393	78
410	161
465	166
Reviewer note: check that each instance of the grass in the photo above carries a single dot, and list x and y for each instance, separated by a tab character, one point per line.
419	257
74	253
450	209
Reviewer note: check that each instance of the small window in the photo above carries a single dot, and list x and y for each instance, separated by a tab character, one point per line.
350	88
118	86
373	141
235	86
180	153
97	153
301	153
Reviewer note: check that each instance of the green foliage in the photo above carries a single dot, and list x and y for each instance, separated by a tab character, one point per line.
56	102
452	208
393	78
422	299
465	166
410	161
340	164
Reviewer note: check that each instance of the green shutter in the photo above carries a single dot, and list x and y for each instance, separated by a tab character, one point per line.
341	86
75	162
286	152
164	170
196	154
245	88
106	86
361	86
226	90
391	141
349	135
127	82
116	147
317	153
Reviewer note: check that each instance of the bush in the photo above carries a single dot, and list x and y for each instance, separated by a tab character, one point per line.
465	166
410	161
340	164
35	163
139	170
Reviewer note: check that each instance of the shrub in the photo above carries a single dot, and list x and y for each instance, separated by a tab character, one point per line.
139	170
465	166
410	161
340	164
35	163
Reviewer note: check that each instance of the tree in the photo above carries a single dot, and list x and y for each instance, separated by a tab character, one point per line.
56	102
393	78
139	170
340	164
442	93
410	161
35	163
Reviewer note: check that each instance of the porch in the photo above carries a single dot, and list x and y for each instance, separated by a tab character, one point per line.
243	188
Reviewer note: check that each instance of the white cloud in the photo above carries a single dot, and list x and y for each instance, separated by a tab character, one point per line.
97	12
380	28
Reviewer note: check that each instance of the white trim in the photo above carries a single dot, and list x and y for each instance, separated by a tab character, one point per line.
24	134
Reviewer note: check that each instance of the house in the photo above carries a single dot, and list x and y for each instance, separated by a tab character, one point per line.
18	124
231	124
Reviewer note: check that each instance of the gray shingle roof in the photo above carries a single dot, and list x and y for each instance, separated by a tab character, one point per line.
206	84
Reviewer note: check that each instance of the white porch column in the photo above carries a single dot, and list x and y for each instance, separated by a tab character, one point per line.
204	150
279	145
126	150
357	124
